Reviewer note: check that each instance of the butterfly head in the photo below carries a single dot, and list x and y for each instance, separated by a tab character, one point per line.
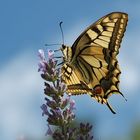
67	53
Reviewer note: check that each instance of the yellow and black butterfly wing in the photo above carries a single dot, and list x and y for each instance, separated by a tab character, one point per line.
94	67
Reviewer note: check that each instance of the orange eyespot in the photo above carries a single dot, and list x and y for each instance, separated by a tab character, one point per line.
98	90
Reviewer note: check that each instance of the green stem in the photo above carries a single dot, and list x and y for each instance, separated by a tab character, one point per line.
64	131
53	83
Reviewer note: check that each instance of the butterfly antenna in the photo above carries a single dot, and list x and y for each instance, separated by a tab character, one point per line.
52	44
60	64
60	24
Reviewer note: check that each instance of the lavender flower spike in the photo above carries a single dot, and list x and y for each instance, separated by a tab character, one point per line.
57	108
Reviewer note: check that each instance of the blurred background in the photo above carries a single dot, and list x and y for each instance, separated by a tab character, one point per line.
25	26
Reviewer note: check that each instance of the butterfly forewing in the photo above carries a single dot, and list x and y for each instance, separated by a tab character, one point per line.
108	29
94	66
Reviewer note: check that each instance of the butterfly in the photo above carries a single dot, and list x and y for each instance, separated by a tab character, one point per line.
90	66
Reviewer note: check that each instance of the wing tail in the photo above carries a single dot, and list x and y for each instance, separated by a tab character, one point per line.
111	109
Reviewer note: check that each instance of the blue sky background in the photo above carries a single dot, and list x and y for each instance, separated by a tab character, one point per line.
25	26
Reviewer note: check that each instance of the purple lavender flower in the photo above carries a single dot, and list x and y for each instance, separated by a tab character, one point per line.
84	132
49	131
41	54
50	54
57	108
72	105
42	63
47	67
42	67
45	110
65	102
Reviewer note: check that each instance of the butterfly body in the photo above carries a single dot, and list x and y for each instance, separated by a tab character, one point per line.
91	65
